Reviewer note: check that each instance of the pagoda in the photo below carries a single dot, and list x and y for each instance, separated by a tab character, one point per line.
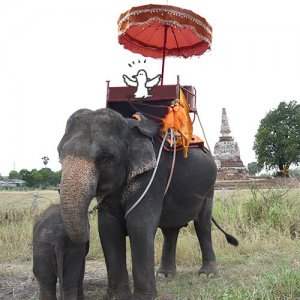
227	154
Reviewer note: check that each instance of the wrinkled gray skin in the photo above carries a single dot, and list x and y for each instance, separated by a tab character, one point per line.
55	255
108	156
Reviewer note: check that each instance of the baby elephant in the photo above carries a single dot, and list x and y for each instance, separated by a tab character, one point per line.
56	256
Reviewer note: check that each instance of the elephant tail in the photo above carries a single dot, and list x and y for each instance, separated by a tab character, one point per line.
230	239
60	271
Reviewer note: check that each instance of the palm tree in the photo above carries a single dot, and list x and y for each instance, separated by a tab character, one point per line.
45	160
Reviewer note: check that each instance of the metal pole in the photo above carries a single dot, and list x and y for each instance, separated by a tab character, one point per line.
107	91
203	131
164	54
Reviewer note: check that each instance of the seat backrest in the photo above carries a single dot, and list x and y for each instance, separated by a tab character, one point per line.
190	95
122	100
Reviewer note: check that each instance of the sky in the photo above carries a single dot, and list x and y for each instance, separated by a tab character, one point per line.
56	56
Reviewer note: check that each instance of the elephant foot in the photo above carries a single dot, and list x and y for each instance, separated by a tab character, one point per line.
44	294
80	297
209	269
113	294
143	296
164	272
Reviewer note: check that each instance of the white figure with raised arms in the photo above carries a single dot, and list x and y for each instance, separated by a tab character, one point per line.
142	82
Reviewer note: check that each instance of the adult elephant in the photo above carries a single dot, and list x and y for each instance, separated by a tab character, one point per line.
113	158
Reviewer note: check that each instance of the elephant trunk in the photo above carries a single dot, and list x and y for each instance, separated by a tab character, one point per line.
77	189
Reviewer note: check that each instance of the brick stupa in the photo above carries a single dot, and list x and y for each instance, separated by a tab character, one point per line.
227	154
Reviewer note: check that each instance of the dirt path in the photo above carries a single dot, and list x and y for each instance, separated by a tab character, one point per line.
17	281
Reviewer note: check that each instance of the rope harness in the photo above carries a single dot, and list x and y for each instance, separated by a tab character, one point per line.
173	139
154	172
170	132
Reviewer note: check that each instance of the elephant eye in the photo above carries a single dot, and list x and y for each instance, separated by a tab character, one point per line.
104	157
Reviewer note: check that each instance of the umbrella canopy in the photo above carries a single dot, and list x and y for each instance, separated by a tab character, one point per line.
162	30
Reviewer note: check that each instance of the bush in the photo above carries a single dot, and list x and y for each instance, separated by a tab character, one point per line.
273	208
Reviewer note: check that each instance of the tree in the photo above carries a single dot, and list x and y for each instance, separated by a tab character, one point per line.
254	168
14	175
42	178
50	178
277	141
37	178
45	160
54	178
27	177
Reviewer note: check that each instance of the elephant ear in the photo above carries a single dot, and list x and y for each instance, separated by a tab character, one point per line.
141	153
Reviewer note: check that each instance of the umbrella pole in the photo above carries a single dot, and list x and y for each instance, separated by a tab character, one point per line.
164	55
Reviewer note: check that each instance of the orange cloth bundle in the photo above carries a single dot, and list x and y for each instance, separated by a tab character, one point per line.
178	119
175	118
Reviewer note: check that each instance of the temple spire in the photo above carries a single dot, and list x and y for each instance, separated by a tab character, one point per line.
225	129
227	154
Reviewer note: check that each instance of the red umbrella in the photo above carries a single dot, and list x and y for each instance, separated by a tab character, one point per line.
162	30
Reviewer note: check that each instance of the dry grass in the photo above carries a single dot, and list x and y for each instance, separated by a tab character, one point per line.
266	265
16	219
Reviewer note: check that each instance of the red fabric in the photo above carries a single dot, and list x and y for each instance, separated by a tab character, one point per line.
142	30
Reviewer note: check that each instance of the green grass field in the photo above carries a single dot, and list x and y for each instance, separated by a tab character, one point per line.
266	265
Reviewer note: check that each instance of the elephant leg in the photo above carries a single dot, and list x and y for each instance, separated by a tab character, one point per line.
168	259
73	272
80	295
47	293
203	229
113	241
141	234
44	271
69	289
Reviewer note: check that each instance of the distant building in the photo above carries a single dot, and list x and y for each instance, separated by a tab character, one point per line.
11	182
227	154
